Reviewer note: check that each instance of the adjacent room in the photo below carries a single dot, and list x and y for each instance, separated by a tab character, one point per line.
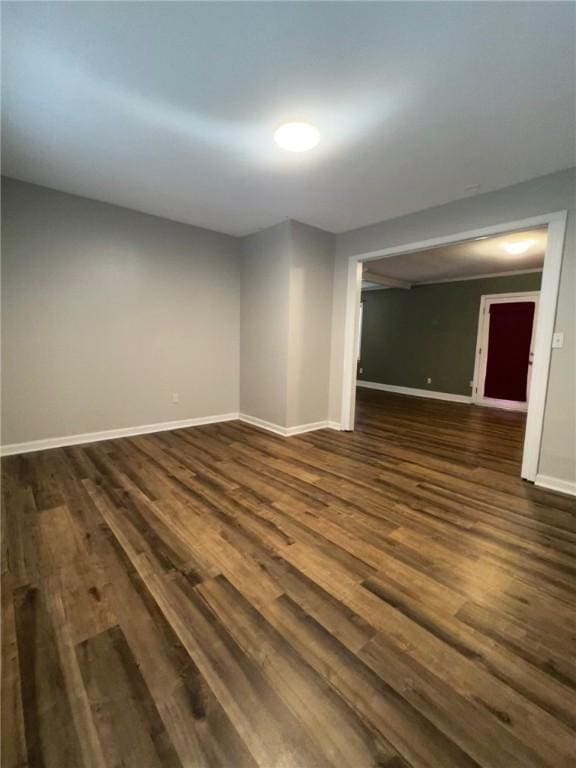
288	422
455	323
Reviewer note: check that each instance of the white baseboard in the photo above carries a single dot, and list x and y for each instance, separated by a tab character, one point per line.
267	425
415	392
148	429
555	484
310	427
288	431
506	405
112	434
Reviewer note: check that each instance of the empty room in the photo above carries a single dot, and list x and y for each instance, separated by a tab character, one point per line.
288	423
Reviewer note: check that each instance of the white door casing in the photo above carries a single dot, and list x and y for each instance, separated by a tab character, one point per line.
481	355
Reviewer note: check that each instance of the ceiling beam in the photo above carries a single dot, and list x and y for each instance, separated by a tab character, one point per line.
388	282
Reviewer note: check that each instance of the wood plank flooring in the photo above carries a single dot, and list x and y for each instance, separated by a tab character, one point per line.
220	596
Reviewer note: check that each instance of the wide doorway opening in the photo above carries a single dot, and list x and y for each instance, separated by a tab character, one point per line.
466	320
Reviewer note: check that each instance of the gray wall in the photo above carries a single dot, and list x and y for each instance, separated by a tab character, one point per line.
265	275
311	277
545	194
106	312
429	331
286	310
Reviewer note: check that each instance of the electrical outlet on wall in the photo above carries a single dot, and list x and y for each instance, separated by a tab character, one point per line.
471	384
558	340
175	398
360	370
428	380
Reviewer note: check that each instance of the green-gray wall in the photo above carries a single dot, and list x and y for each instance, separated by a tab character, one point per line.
428	332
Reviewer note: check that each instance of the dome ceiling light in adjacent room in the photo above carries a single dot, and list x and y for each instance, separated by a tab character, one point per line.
518	247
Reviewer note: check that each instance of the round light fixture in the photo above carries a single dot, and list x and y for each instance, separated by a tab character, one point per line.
297	137
515	249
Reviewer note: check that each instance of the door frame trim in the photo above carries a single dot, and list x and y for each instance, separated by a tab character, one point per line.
480	361
556	223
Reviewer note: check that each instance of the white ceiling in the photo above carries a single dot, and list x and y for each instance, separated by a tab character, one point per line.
472	258
170	108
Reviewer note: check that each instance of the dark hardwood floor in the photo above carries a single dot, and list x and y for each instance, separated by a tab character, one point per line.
220	596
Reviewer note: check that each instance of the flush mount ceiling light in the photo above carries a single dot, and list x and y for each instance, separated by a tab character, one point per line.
297	137
520	246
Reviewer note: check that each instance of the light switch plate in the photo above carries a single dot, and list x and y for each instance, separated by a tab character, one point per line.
558	340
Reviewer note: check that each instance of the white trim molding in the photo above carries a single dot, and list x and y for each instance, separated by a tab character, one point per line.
556	484
112	434
312	427
287	431
413	392
482	345
267	425
149	429
504	405
464	279
556	224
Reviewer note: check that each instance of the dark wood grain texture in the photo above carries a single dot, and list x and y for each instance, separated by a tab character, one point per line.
218	596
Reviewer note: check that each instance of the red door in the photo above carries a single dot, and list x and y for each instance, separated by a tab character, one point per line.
508	359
